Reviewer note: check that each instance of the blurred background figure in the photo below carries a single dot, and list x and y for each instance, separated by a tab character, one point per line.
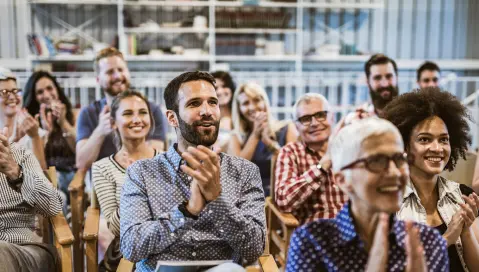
43	97
428	75
225	88
257	135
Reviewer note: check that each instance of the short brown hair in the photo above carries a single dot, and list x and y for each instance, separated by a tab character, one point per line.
106	53
379	59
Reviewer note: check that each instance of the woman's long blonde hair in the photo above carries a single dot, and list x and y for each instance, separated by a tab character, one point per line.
240	123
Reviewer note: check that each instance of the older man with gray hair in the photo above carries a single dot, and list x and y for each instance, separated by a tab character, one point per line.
303	184
370	166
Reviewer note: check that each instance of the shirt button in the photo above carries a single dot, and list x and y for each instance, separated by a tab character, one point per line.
172	234
210	211
194	254
221	230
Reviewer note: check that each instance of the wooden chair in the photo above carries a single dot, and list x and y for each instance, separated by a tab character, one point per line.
61	235
77	204
280	225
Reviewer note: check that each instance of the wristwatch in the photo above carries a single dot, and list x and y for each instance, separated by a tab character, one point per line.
18	180
185	212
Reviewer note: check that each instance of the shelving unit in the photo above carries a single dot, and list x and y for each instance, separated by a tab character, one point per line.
294	30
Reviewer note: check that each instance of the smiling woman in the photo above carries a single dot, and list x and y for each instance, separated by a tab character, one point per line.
132	121
434	127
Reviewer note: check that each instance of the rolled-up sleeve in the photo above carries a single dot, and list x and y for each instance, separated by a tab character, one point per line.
243	224
142	234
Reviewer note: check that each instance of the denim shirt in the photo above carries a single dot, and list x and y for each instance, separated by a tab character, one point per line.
449	198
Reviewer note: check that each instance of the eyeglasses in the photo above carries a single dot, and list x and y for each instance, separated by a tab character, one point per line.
380	162
6	93
306	120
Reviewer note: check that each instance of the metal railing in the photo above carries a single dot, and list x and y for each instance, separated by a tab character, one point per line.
344	90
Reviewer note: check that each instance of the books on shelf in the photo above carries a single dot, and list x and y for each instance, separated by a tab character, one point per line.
132	45
41	45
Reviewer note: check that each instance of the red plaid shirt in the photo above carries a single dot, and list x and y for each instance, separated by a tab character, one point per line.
301	188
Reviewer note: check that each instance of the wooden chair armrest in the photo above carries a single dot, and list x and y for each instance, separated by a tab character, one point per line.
125	266
268	264
77	181
92	224
62	231
286	218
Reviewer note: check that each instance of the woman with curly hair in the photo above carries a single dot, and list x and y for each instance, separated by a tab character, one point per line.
433	125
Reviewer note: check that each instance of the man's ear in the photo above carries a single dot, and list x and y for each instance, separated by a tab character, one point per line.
340	179
172	118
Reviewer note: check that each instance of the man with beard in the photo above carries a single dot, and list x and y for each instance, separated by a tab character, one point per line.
381	76
94	138
191	203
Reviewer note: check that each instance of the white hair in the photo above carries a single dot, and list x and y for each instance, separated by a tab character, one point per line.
307	98
345	147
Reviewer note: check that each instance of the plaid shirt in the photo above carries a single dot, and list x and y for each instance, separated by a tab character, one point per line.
301	188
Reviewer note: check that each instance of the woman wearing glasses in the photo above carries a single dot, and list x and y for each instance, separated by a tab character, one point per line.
23	128
434	127
257	136
369	165
44	98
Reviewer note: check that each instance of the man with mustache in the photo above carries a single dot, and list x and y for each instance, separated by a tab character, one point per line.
191	203
381	77
303	185
94	138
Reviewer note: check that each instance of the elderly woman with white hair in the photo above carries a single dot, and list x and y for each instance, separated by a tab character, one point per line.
370	166
257	136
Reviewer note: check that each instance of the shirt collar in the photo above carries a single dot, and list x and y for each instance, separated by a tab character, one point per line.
347	229
442	187
174	157
308	149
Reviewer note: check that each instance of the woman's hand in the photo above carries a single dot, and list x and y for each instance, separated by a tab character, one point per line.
378	255
469	210
455	228
261	119
28	124
46	117
59	112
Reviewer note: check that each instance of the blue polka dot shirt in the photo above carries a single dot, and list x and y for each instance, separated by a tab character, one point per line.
334	245
152	228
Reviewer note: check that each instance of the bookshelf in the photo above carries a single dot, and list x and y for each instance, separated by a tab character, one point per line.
212	35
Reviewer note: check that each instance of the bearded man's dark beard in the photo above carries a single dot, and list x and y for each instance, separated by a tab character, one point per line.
378	101
193	136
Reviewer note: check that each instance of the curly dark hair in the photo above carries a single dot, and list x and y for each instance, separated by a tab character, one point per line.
409	109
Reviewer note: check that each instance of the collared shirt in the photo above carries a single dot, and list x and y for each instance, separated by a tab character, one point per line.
448	203
335	245
301	188
18	205
152	228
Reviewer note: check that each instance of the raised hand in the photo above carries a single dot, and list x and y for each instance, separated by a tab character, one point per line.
28	124
8	165
378	255
59	112
260	122
46	117
104	122
196	203
469	210
204	167
454	228
414	250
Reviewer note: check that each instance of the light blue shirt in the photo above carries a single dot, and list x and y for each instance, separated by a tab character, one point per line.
232	227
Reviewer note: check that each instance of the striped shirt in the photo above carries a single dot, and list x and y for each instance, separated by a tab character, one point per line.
19	205
108	178
301	188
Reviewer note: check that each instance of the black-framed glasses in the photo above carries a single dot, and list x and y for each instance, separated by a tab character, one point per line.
380	162
6	93
306	120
